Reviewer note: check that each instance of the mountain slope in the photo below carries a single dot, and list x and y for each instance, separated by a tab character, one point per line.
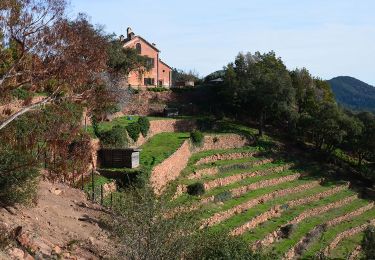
353	93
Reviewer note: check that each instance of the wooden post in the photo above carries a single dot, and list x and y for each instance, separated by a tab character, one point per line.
111	199
101	194
93	183
82	180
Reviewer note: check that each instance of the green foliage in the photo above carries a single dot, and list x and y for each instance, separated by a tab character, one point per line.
21	93
114	138
18	176
223	196
133	130
259	85
368	243
215	245
144	125
122	60
196	189
157	89
196	137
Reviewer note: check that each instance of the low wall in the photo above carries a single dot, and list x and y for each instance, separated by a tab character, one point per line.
165	126
171	168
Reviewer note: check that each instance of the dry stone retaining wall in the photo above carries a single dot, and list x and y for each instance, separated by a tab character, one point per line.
171	168
204	172
347	233
277	210
262	184
166	126
227	156
221	216
303	243
238	177
276	235
272	213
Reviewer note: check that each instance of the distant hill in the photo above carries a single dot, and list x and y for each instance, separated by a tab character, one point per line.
353	93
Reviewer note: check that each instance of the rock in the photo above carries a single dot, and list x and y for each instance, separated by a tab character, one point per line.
16	253
28	257
56	191
57	250
91	239
11	210
4	227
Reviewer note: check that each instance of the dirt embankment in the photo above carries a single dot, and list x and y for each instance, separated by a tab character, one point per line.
62	225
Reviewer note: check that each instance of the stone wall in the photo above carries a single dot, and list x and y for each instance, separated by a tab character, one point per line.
171	168
345	234
221	216
165	126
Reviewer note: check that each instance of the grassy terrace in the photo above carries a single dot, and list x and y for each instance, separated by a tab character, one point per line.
346	246
241	219
305	226
334	231
288	215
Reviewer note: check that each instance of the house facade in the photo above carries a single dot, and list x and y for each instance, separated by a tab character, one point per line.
160	73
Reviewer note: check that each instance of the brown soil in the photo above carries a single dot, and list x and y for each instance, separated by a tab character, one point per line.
62	223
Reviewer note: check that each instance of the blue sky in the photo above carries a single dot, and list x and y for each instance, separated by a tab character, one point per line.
328	37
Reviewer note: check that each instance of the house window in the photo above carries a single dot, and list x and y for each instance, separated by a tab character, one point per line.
138	47
150	63
149	81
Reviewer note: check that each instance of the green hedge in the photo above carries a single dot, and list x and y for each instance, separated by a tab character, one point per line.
133	131
196	137
114	138
144	125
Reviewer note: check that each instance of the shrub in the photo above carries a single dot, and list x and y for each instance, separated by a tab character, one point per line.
196	137
196	189
216	245
18	184
144	125
133	130
368	242
157	89
114	138
287	230
21	93
223	196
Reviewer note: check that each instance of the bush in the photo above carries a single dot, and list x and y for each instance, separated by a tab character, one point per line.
18	184
157	89
216	245
144	125
196	189
196	137
223	196
21	94
133	130
368	242
114	138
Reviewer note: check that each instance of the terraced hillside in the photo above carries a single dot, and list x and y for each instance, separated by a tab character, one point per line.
272	204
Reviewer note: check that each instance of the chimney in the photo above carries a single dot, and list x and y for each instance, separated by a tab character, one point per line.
130	33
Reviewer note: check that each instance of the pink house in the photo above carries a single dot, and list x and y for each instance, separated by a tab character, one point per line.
160	73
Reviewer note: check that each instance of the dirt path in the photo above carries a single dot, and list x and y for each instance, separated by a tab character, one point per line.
63	223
